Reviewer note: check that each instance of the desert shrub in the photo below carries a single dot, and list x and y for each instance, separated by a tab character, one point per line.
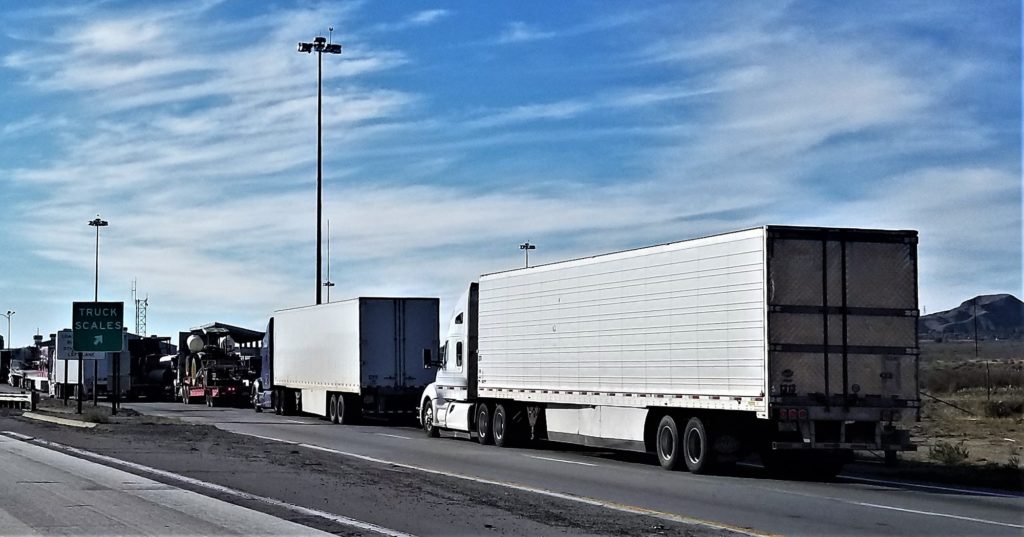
951	378
948	453
1003	409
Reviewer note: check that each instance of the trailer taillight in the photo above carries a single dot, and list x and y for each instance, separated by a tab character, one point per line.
792	413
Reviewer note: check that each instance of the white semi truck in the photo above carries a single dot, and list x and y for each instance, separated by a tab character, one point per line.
349	359
795	342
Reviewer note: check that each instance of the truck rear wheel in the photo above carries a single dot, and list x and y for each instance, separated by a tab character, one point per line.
697	447
483	424
668	446
502	428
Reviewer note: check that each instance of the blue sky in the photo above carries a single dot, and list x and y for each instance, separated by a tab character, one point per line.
454	131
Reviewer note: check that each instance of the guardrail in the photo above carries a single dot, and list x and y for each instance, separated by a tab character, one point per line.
23	401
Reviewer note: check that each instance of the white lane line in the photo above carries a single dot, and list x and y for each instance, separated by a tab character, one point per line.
893	508
271	438
888	482
340	519
393	436
560	495
296	421
943	515
19	436
559	460
931	487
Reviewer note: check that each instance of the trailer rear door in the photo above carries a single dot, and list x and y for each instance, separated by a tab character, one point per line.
842	321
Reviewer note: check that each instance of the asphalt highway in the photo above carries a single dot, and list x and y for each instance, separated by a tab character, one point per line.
748	500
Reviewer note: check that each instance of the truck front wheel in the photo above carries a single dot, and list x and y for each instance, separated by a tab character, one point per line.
667	440
427	418
483	424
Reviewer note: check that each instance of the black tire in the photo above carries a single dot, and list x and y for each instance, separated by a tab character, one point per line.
427	419
278	396
332	408
344	412
502	427
483	424
698	451
891	458
668	446
256	404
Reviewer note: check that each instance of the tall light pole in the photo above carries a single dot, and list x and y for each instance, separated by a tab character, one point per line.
526	246
96	223
7	344
320	45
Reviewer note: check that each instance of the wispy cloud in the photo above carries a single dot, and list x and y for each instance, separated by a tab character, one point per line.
416	20
519	32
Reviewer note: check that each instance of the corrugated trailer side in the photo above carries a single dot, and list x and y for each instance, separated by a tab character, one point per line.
317	347
678	325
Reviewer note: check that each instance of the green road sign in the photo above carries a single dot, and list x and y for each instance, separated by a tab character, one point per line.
97	326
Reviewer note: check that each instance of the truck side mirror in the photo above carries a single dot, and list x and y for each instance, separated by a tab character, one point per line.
428	361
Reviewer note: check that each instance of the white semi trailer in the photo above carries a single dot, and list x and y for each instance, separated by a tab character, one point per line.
349	359
795	342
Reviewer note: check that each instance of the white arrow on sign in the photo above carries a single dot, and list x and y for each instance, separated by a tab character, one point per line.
96	340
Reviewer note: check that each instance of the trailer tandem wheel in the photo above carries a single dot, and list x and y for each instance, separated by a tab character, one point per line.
332	408
667	444
697	447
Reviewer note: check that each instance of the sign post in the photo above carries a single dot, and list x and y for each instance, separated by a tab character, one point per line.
96	327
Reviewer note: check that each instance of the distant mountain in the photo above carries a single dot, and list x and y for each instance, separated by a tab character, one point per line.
999	316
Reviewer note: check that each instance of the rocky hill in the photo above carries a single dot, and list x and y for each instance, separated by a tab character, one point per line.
999	316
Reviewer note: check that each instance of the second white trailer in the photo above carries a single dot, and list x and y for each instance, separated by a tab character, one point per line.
344	360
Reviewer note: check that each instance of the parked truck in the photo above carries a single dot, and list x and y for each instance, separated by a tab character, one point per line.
347	360
211	370
795	342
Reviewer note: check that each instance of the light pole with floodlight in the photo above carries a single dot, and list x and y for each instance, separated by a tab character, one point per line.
97	223
320	45
526	246
7	344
